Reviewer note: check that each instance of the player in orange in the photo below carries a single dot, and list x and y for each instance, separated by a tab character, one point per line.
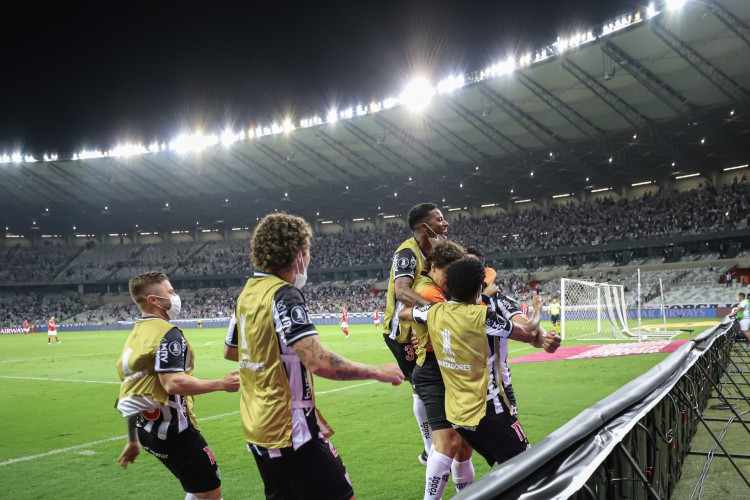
344	323
26	328
52	330
376	319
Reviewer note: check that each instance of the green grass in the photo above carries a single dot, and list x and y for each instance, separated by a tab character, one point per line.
376	432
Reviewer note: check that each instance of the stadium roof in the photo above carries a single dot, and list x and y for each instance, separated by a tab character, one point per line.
640	98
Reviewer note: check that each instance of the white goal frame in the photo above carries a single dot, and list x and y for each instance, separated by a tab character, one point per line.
603	304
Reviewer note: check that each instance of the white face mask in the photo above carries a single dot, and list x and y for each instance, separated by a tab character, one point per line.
175	308
301	277
437	239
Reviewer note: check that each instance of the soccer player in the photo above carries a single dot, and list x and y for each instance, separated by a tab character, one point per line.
554	313
475	404
52	330
742	311
279	350
344	323
27	328
428	382
376	319
429	228
156	394
525	310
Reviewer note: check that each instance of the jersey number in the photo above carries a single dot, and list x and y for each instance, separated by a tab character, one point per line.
409	350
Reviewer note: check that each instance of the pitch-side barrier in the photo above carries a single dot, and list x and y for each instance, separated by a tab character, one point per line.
632	444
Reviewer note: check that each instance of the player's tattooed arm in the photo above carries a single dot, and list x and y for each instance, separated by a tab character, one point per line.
328	364
133	447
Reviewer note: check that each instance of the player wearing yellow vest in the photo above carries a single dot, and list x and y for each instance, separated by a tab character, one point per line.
458	330
554	312
742	311
156	394
278	350
429	228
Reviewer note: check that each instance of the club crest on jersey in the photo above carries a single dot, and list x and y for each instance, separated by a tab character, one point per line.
299	315
151	415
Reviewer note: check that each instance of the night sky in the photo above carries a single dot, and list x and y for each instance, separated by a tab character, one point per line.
89	74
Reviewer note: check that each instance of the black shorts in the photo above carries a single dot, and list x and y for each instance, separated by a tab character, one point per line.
314	470
554	318
498	437
188	457
429	385
404	354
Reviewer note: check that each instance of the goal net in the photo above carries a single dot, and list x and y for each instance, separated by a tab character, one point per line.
593	311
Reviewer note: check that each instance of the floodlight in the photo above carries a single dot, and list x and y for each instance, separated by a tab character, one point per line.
228	138
675	4
651	11
417	94
332	116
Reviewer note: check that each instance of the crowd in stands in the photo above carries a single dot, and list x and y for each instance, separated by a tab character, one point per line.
704	209
36	308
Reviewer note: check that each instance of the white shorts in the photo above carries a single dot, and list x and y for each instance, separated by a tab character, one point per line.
377	323
26	330
745	324
52	333
344	325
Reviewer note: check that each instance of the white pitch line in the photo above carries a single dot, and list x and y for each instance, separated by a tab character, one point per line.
61	380
108	440
26	360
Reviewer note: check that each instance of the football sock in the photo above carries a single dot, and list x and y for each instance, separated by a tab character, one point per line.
424	426
463	474
438	470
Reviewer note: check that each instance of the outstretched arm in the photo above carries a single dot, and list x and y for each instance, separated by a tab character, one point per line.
187	385
328	364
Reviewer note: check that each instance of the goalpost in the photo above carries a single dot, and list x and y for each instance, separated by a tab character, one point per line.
599	311
593	311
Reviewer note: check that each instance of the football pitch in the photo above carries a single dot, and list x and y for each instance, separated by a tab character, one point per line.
62	435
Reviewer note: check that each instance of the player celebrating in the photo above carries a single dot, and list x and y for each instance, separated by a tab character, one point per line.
279	350
428	228
554	313
742	311
156	395
52	331
449	453
376	319
474	403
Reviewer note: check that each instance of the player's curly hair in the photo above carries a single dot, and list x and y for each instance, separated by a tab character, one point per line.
278	240
140	285
464	278
419	213
444	254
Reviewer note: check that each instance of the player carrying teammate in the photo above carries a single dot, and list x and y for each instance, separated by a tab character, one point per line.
474	403
428	228
344	323
52	330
